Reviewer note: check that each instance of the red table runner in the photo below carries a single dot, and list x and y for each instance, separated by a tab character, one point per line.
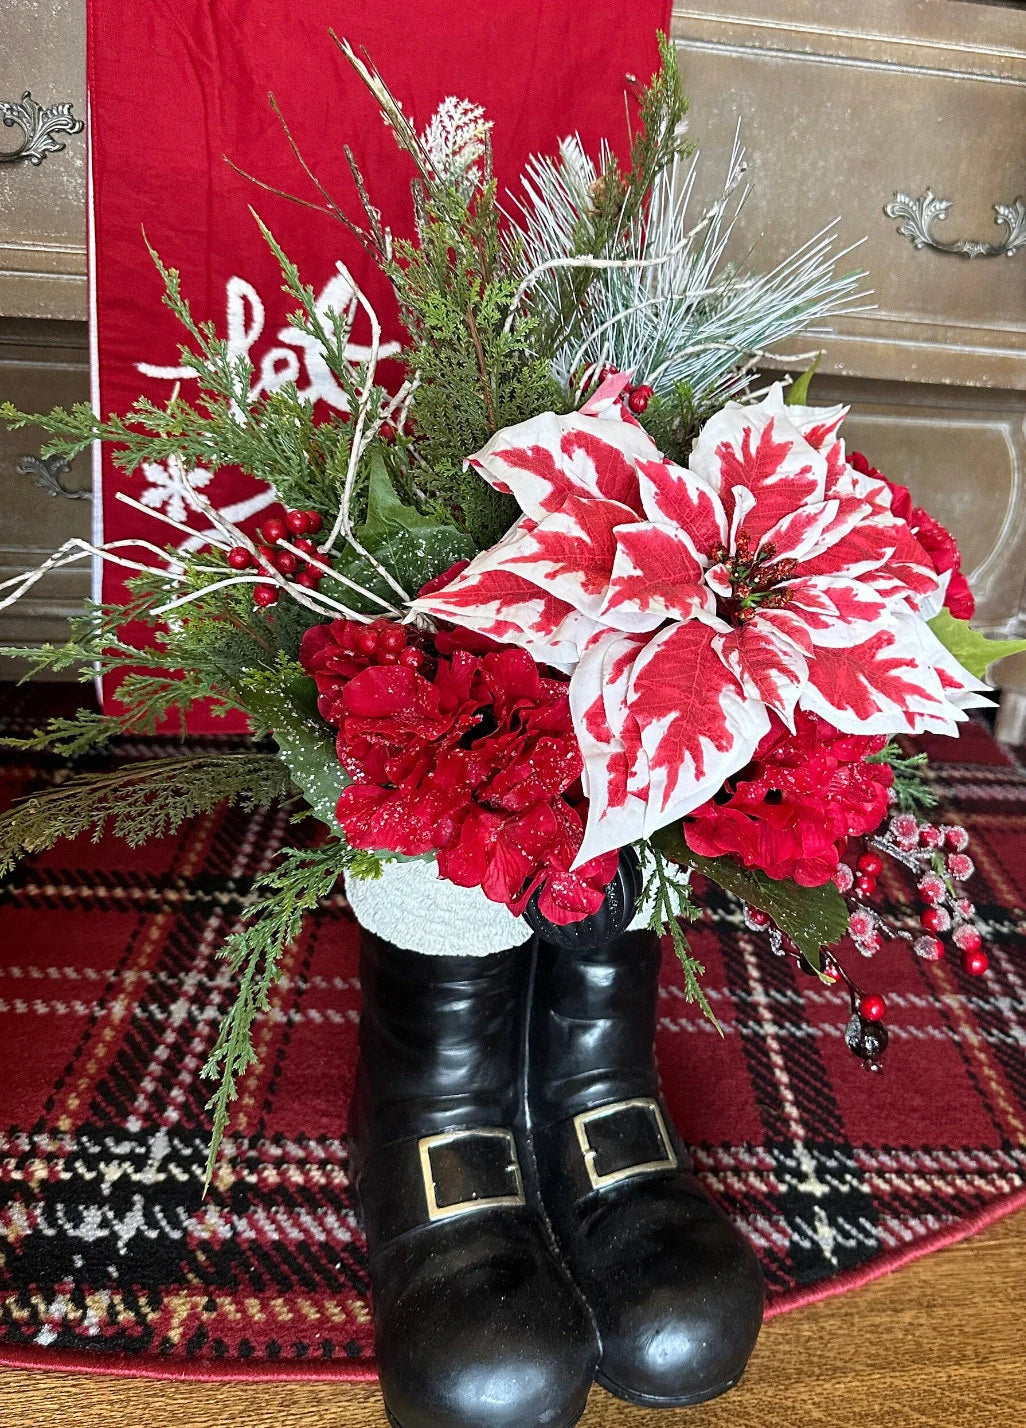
173	89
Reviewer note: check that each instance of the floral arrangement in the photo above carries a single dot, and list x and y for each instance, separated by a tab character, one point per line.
577	585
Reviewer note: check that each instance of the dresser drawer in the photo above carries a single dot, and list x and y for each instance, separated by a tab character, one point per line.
42	364
844	105
42	206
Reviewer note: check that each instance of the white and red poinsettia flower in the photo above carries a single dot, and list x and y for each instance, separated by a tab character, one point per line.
690	602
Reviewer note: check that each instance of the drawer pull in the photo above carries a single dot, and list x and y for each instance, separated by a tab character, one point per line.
39	124
919	214
46	471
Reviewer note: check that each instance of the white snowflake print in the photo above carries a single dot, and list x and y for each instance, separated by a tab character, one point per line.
168	484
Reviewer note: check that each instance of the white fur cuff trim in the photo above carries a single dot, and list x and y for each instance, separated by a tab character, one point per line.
412	907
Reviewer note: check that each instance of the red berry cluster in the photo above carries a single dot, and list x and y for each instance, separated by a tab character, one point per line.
380	642
937	855
294	526
636	398
865	1034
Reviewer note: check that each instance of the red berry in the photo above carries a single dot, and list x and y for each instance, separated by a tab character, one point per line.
639	399
239	558
387	432
367	641
388	656
309	579
935	919
931	949
286	562
274	530
266	554
870	863
306	546
264	595
967	938
873	1007
865	886
393	637
411	657
313	522
975	963
296	522
755	917
929	836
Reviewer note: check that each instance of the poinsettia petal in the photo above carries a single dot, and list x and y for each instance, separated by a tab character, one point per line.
960	687
571	552
604	400
819	427
497	601
548	457
676	495
615	775
858	608
763	451
657	575
812	528
696	725
882	685
768	666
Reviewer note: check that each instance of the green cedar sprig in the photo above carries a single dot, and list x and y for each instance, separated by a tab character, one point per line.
911	790
667	897
282	899
138	801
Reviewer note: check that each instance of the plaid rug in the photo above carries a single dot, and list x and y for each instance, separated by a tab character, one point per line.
110	994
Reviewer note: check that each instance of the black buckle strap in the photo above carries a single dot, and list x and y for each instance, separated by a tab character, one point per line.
439	1177
468	1170
607	1145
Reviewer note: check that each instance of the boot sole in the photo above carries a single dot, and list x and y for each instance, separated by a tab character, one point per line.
564	1423
650	1400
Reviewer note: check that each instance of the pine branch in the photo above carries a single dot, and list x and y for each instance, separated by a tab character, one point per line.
667	896
281	901
138	801
911	791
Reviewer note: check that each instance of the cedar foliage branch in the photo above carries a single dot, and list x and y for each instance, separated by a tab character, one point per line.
281	899
139	801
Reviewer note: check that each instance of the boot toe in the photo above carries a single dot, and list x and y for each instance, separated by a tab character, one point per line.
502	1344
678	1321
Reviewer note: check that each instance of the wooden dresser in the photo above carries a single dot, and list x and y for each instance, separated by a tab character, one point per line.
843	107
44	349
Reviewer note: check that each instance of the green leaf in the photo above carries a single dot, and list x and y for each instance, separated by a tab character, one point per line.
798	392
973	651
811	917
286	703
412	547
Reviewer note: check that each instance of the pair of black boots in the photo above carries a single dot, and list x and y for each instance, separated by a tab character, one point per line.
531	1214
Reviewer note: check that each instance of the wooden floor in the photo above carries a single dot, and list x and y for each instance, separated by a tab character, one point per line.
941	1342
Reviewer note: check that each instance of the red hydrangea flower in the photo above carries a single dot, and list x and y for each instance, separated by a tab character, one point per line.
938	542
473	759
790	811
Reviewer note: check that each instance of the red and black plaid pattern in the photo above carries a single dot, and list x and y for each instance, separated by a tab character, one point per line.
110	995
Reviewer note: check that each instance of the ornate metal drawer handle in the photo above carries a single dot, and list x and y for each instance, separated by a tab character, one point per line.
40	123
46	471
919	214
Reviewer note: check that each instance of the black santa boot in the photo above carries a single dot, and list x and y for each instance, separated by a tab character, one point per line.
676	1291
476	1323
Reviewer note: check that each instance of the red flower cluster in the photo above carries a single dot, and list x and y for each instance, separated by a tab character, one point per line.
472	757
939	544
791	809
